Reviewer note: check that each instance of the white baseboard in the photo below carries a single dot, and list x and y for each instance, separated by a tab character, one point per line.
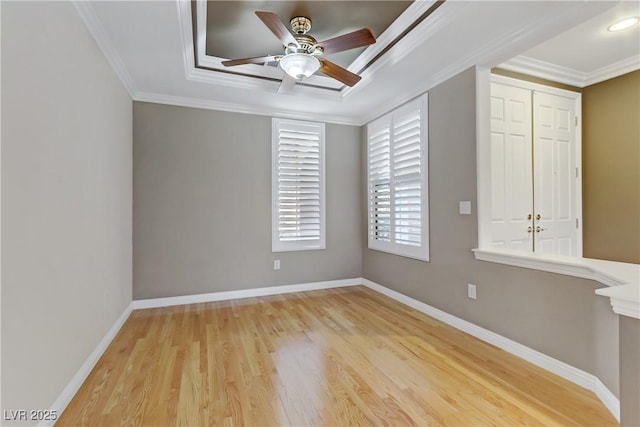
564	370
81	375
244	293
605	395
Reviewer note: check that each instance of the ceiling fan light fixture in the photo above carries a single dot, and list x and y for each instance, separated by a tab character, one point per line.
299	65
624	24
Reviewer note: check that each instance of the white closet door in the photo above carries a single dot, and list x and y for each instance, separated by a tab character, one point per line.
511	164
555	174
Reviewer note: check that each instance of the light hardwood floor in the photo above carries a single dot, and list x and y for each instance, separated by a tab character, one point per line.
338	357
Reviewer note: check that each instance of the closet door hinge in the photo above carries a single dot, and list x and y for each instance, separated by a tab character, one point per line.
576	120
577	172
577	222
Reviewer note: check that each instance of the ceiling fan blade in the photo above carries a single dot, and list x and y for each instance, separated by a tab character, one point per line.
287	84
339	73
358	38
256	60
277	27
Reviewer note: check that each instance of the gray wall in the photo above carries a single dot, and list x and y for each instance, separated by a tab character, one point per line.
557	315
630	369
66	200
202	205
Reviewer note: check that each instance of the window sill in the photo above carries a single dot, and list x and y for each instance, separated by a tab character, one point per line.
622	278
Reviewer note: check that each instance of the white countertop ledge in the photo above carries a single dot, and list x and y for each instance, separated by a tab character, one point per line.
622	279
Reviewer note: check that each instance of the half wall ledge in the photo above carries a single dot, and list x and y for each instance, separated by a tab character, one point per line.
622	279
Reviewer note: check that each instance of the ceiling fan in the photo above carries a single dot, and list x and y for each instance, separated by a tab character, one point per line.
303	54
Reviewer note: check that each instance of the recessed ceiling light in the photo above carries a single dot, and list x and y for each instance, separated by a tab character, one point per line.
624	24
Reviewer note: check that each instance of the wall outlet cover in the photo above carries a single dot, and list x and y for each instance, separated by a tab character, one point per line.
465	207
472	291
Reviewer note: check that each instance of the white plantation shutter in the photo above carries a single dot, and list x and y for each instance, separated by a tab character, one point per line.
407	165
397	177
298	185
379	181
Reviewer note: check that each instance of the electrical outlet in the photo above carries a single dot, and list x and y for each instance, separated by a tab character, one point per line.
276	264
465	207
472	291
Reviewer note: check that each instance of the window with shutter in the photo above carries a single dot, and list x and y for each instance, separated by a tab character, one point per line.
397	179
298	217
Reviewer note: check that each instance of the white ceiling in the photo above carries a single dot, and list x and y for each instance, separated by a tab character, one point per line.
151	47
587	53
589	45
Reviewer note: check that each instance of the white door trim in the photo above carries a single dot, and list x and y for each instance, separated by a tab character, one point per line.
484	78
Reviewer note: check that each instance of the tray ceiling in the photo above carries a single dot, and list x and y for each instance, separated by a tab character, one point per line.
234	31
152	48
231	30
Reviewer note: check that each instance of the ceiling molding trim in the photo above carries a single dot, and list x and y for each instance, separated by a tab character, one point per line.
186	38
248	70
201	28
397	27
613	70
406	46
487	56
91	21
545	70
560	74
226	80
200	75
241	108
203	75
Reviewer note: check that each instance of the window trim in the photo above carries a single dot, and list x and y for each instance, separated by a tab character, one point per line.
416	252
276	244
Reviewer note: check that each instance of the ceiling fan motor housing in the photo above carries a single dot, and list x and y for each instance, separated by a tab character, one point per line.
306	44
300	24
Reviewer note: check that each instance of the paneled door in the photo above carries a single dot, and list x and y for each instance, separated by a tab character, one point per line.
555	174
533	171
511	168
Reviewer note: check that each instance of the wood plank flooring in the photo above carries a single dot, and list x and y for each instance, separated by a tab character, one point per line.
338	357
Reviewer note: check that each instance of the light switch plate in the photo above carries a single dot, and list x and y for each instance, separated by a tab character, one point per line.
465	208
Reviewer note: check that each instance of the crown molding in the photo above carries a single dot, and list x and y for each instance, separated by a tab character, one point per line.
613	70
208	104
397	27
91	21
557	73
186	39
488	55
230	80
545	70
405	46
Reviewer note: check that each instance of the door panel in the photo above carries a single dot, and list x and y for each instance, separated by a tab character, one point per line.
511	167
554	179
